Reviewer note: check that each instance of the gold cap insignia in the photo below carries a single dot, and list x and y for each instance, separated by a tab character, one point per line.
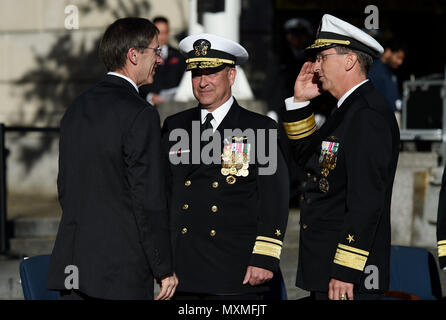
201	47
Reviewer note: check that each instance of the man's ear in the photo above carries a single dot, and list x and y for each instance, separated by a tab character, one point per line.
132	55
350	60
231	74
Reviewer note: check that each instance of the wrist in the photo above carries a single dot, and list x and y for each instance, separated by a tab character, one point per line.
299	99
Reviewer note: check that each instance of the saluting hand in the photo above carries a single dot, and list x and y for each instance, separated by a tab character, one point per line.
167	286
306	86
256	276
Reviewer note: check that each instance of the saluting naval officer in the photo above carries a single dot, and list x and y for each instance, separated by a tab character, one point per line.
350	165
228	219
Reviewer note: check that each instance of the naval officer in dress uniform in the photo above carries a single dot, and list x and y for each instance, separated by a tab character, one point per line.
228	220
350	165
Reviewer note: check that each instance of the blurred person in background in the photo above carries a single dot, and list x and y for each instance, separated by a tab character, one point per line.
383	76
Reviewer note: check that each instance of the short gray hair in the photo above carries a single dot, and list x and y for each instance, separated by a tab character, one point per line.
365	60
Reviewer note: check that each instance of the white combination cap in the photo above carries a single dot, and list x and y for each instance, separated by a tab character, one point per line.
336	32
206	51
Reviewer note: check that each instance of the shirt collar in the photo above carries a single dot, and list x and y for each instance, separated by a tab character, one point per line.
124	77
219	114
349	92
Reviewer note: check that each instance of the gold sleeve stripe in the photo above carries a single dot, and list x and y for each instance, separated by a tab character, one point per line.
302	135
350	260
441	242
300	126
270	240
441	251
352	249
267	248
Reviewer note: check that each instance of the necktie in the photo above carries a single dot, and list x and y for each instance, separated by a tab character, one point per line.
207	123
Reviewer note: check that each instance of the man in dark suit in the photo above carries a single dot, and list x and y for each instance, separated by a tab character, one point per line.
169	73
228	217
114	228
349	164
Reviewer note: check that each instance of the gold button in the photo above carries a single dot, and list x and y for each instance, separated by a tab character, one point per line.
308	175
215	184
184	230
185	206
304	226
187	183
214	209
213	233
231	179
315	179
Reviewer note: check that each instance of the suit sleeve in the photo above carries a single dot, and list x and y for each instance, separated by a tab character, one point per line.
368	156
165	161
300	125
142	153
273	191
441	223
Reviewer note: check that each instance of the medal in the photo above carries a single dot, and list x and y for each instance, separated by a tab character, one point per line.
224	171
245	172
233	170
323	185
325	172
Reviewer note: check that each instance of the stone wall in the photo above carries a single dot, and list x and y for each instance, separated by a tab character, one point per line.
44	66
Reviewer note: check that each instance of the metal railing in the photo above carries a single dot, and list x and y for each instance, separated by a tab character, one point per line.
3	186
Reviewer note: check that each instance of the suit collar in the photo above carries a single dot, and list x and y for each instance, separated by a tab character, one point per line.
230	121
120	81
349	92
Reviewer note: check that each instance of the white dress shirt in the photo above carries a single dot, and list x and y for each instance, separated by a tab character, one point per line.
219	114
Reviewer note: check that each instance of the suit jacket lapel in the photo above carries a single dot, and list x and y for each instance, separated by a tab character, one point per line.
196	116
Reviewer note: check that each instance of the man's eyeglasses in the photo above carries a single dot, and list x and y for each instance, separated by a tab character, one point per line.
321	57
157	50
